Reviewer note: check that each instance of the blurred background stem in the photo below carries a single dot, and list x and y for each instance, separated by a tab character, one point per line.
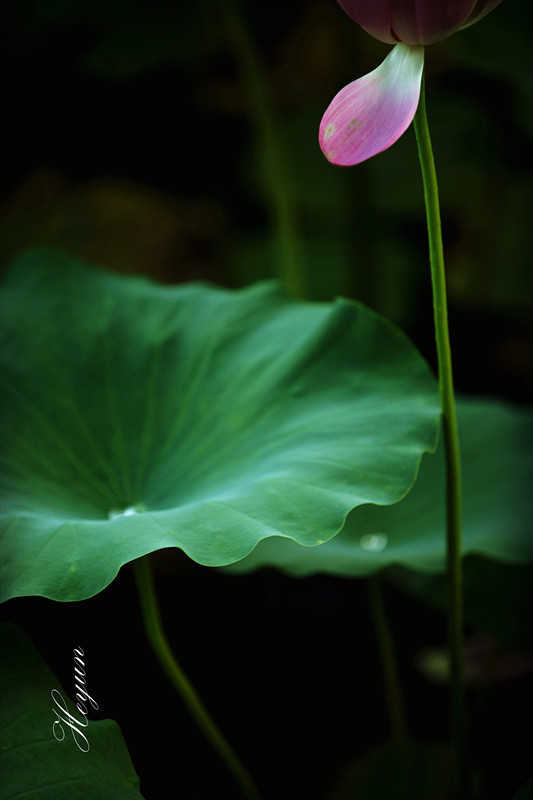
278	182
451	440
393	691
156	636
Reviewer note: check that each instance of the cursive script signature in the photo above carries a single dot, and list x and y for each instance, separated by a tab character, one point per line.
83	698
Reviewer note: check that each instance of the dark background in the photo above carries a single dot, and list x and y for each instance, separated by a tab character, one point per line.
132	141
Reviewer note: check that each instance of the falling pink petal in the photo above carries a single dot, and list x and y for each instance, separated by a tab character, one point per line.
370	114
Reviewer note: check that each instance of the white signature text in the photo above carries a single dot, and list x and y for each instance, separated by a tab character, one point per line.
83	699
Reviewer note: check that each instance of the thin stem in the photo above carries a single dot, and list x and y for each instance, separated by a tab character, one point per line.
393	692
274	161
161	648
451	439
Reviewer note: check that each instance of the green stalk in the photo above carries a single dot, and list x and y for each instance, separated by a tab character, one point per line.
451	439
393	692
161	648
275	163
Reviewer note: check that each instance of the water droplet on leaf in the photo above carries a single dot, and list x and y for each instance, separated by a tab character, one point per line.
374	542
125	512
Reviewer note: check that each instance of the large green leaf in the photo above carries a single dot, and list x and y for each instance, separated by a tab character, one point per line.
82	759
497	452
138	417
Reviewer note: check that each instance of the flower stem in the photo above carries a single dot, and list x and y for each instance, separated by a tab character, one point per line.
161	648
280	193
451	440
393	692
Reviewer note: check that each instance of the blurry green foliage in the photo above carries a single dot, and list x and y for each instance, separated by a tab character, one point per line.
361	229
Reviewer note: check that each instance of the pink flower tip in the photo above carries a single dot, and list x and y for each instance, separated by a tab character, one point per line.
370	114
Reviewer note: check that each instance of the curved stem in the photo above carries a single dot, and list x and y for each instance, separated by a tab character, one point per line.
275	166
451	438
161	648
391	679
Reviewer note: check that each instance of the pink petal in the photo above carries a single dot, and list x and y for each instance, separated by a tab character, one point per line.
374	17
427	21
370	114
